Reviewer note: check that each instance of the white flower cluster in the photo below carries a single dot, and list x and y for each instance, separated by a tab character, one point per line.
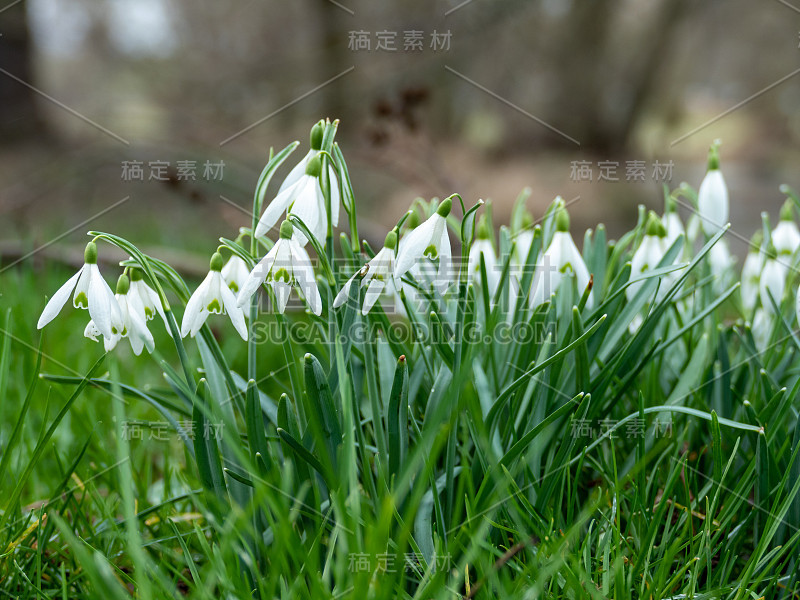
420	262
113	316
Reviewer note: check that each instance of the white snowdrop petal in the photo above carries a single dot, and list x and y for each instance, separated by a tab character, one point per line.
274	210
257	276
297	171
91	331
306	280
374	291
194	307
103	307
344	293
59	299
713	202
412	246
282	291
234	311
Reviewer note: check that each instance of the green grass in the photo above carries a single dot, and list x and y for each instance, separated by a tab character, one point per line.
588	461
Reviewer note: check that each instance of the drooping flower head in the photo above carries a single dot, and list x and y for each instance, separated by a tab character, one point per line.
303	199
713	206
672	222
786	236
285	266
146	296
134	322
212	296
377	275
721	262
649	254
482	246
431	241
235	273
301	195
751	271
90	292
560	262
773	280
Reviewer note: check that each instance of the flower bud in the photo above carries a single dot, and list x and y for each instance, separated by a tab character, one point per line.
444	207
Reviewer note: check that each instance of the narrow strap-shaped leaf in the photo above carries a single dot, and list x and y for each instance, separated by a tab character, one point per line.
398	417
43	441
524	378
209	464
320	411
304	454
254	418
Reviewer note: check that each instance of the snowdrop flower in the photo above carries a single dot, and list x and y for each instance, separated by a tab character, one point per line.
559	260
429	240
751	272
286	265
134	325
773	280
377	274
91	292
648	255
483	246
235	273
299	170
693	230
305	200
786	236
672	224
761	328
146	296
212	296
721	262
712	197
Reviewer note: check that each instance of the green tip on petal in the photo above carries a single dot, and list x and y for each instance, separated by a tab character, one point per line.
787	211
483	228
413	220
391	240
314	167
90	254
136	274
317	132
713	156
655	227
562	220
772	253
444	207
216	262
123	284
287	229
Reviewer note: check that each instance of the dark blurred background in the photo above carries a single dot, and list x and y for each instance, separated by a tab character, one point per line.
120	114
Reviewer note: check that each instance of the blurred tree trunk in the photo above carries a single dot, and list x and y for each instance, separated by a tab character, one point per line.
19	117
